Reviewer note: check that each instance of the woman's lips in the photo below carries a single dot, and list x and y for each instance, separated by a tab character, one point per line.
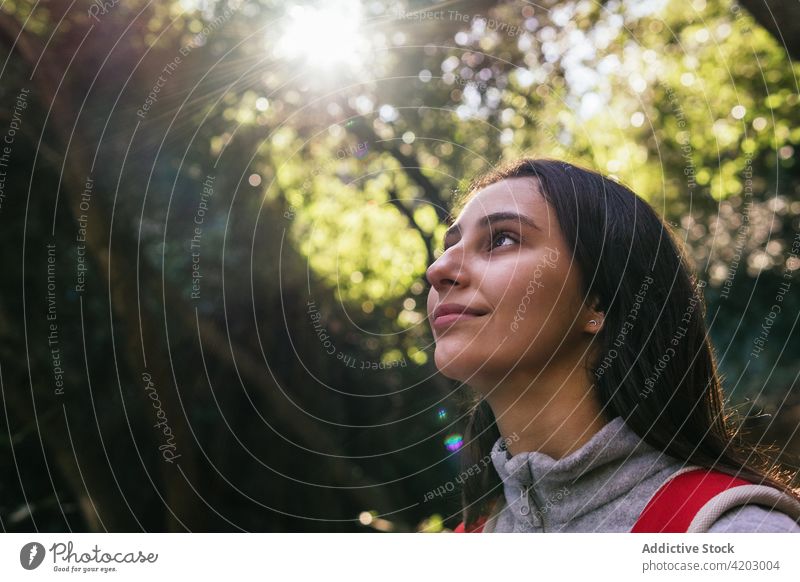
450	318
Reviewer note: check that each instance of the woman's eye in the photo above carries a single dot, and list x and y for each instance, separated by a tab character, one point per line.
503	236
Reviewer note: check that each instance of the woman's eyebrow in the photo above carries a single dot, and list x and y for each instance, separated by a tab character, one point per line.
491	219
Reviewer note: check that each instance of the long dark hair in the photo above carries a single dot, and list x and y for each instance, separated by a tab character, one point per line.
660	374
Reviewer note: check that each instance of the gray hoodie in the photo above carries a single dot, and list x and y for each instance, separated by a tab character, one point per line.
602	487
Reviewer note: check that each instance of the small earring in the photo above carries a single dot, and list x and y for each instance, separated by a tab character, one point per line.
593	322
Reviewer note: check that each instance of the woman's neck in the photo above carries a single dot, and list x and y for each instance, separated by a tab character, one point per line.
555	414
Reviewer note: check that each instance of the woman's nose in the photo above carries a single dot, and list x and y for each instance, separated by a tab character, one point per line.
447	271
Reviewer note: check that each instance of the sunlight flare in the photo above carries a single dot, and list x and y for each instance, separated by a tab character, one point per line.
323	36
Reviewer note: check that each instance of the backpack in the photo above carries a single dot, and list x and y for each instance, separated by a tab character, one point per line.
692	499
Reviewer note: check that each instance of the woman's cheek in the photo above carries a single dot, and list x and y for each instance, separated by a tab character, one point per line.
432	297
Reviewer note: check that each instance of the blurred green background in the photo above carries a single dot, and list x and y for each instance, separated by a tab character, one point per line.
215	217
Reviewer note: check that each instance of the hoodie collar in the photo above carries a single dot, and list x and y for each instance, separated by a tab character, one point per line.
546	491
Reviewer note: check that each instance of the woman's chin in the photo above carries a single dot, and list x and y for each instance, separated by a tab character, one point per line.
459	367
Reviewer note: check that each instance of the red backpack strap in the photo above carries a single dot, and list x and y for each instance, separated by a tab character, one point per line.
476	528
676	503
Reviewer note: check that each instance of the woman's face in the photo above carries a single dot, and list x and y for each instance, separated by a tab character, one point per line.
504	295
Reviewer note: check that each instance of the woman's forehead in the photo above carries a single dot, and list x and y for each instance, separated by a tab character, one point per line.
519	195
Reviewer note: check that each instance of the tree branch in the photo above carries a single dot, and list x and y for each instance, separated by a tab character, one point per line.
769	13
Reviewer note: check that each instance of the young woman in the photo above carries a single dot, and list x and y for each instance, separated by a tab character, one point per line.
567	306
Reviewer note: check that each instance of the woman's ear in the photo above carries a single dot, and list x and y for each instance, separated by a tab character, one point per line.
594	317
595	324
